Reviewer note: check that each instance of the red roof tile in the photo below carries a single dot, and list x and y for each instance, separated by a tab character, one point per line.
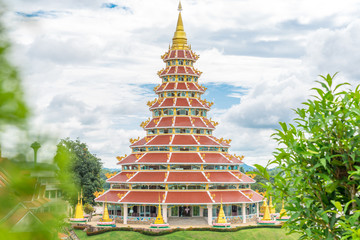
129	159
141	141
165	122
187	197
110	196
182	102
254	195
195	103
198	122
189	70
162	86
154	158
152	124
181	69
222	177
185	158
229	197
120	177
172	54
205	140
215	158
192	86
172	70
181	86
184	140
148	177
183	122
143	197
186	177
170	86
167	102
180	54
160	140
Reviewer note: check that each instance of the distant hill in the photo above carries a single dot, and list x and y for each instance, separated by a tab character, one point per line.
112	169
247	168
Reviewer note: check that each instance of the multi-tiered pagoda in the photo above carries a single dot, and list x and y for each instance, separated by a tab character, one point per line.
179	162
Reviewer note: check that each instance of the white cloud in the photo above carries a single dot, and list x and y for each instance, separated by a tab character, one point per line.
84	68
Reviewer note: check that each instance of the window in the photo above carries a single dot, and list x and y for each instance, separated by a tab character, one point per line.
186	62
173	62
172	79
157	112
161	95
181	62
168	112
168	63
188	79
151	131
165	79
181	111
195	79
183	94
181	78
192	94
196	211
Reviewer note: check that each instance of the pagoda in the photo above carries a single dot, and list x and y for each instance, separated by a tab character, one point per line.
179	160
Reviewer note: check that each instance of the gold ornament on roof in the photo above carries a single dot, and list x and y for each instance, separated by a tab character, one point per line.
97	194
121	158
134	140
109	175
156	121
129	175
138	156
147	139
150	103
120	195
207	175
143	124
213	195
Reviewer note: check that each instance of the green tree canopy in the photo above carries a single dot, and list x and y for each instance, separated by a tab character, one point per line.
319	162
83	166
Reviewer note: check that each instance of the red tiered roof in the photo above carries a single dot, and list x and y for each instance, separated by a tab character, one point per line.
183	122
184	140
121	177
229	197
183	176
205	140
165	122
222	177
198	122
143	197
182	102
215	158
185	158
110	196
148	177
256	197
187	197
153	158
160	140
181	86
170	86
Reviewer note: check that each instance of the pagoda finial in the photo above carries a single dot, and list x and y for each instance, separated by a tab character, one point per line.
179	7
179	39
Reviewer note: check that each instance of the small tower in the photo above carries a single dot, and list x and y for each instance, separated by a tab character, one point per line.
221	217
106	221
159	221
266	216
79	212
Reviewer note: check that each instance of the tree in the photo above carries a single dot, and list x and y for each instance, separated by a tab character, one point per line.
319	162
84	168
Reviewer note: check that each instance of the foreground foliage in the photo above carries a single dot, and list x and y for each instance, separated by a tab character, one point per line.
319	158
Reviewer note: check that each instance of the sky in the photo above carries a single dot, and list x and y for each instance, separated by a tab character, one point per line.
89	66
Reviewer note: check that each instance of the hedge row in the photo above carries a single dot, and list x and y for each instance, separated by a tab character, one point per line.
165	232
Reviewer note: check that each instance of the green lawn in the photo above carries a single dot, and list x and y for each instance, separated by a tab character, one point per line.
248	234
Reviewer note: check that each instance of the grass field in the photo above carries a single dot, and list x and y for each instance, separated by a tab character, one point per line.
248	234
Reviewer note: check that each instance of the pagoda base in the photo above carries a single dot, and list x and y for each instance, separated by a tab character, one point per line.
78	220
164	225
264	222
106	224
221	225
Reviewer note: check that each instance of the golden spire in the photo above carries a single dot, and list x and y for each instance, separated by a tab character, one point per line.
179	39
266	216
282	211
221	217
159	219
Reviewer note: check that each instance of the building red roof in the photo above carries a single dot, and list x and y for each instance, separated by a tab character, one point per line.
154	158
170	86
205	140
148	177
254	196
183	122
221	177
185	158
184	140
181	86
198	122
165	122
110	196
183	176
120	177
229	197
215	158
143	197
160	140
182	102
187	197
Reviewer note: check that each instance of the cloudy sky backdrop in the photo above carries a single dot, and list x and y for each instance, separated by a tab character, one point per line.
89	66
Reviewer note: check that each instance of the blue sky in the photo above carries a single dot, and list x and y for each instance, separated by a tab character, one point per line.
89	66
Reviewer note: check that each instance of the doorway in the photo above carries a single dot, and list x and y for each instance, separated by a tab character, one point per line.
185	211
